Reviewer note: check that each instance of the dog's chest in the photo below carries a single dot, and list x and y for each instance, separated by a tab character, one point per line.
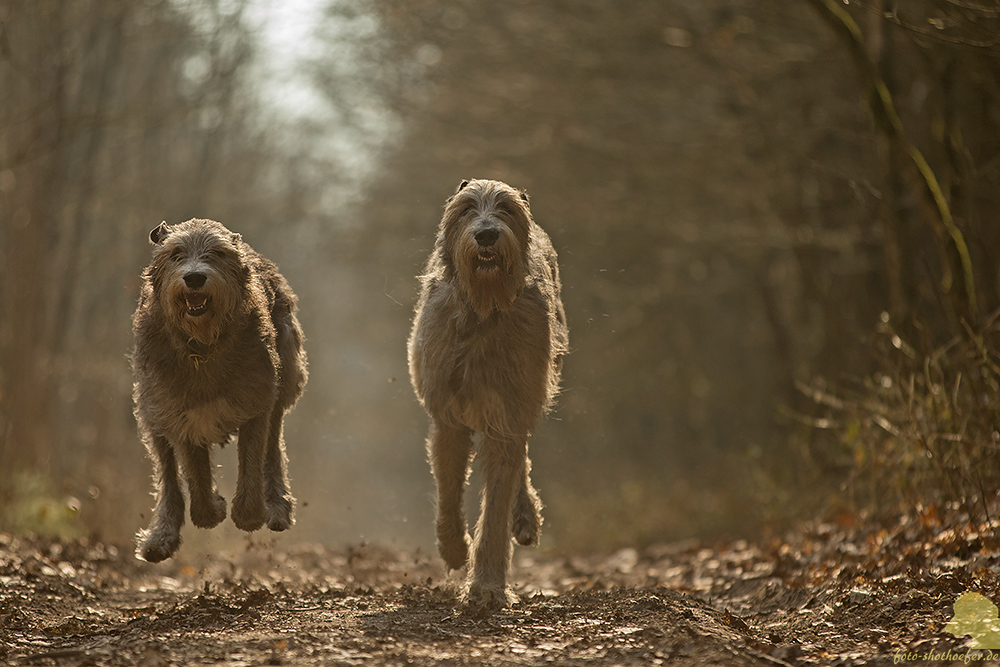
209	406
478	354
475	384
213	422
493	371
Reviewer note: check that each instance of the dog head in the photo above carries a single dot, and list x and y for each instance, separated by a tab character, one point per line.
483	241
197	274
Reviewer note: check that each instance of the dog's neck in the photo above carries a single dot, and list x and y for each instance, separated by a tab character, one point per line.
482	314
485	304
201	353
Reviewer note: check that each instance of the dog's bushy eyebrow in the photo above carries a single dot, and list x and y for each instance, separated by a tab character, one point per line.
165	251
215	245
464	204
508	203
206	245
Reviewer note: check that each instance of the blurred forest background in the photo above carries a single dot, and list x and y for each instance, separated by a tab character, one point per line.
776	220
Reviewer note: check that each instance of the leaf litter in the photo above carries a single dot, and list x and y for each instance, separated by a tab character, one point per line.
847	593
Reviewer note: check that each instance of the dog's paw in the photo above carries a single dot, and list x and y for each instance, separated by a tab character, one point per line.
154	547
279	515
481	600
526	527
208	515
248	513
454	551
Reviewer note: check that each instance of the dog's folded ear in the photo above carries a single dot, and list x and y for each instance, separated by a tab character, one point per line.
159	233
461	186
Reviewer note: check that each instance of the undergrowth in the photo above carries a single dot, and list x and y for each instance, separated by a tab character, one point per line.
922	430
33	506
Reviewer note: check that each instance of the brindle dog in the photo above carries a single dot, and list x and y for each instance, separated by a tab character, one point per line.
218	351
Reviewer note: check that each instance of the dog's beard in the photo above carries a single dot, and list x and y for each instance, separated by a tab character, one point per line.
490	278
199	319
199	314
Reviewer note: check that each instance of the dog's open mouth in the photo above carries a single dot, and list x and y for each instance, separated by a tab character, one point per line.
487	260
197	303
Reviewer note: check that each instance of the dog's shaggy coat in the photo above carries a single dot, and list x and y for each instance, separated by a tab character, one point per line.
218	351
485	356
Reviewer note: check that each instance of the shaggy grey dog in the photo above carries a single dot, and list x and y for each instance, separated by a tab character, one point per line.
485	357
218	351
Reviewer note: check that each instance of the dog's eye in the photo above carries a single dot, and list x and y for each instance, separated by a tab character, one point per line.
177	255
510	208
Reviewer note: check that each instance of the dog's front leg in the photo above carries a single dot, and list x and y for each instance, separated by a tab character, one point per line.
503	461
208	508
277	498
450	451
163	537
248	503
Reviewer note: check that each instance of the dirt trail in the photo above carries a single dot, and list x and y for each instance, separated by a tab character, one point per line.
825	597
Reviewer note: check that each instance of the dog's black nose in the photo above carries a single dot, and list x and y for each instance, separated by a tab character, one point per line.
487	237
195	280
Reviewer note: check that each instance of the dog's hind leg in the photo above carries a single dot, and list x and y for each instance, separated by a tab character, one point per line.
503	462
248	502
527	515
163	537
277	498
208	508
450	451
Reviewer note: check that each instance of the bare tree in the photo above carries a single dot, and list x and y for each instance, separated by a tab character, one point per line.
114	116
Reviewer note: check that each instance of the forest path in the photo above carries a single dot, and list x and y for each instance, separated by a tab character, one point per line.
826	596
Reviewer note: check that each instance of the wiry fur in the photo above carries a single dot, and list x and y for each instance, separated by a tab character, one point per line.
218	351
485	357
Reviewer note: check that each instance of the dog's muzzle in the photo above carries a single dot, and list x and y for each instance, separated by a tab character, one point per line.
487	257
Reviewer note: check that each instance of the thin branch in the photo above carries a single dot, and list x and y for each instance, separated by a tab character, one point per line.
843	23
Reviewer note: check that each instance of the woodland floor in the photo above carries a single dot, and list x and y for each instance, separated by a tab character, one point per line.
825	595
